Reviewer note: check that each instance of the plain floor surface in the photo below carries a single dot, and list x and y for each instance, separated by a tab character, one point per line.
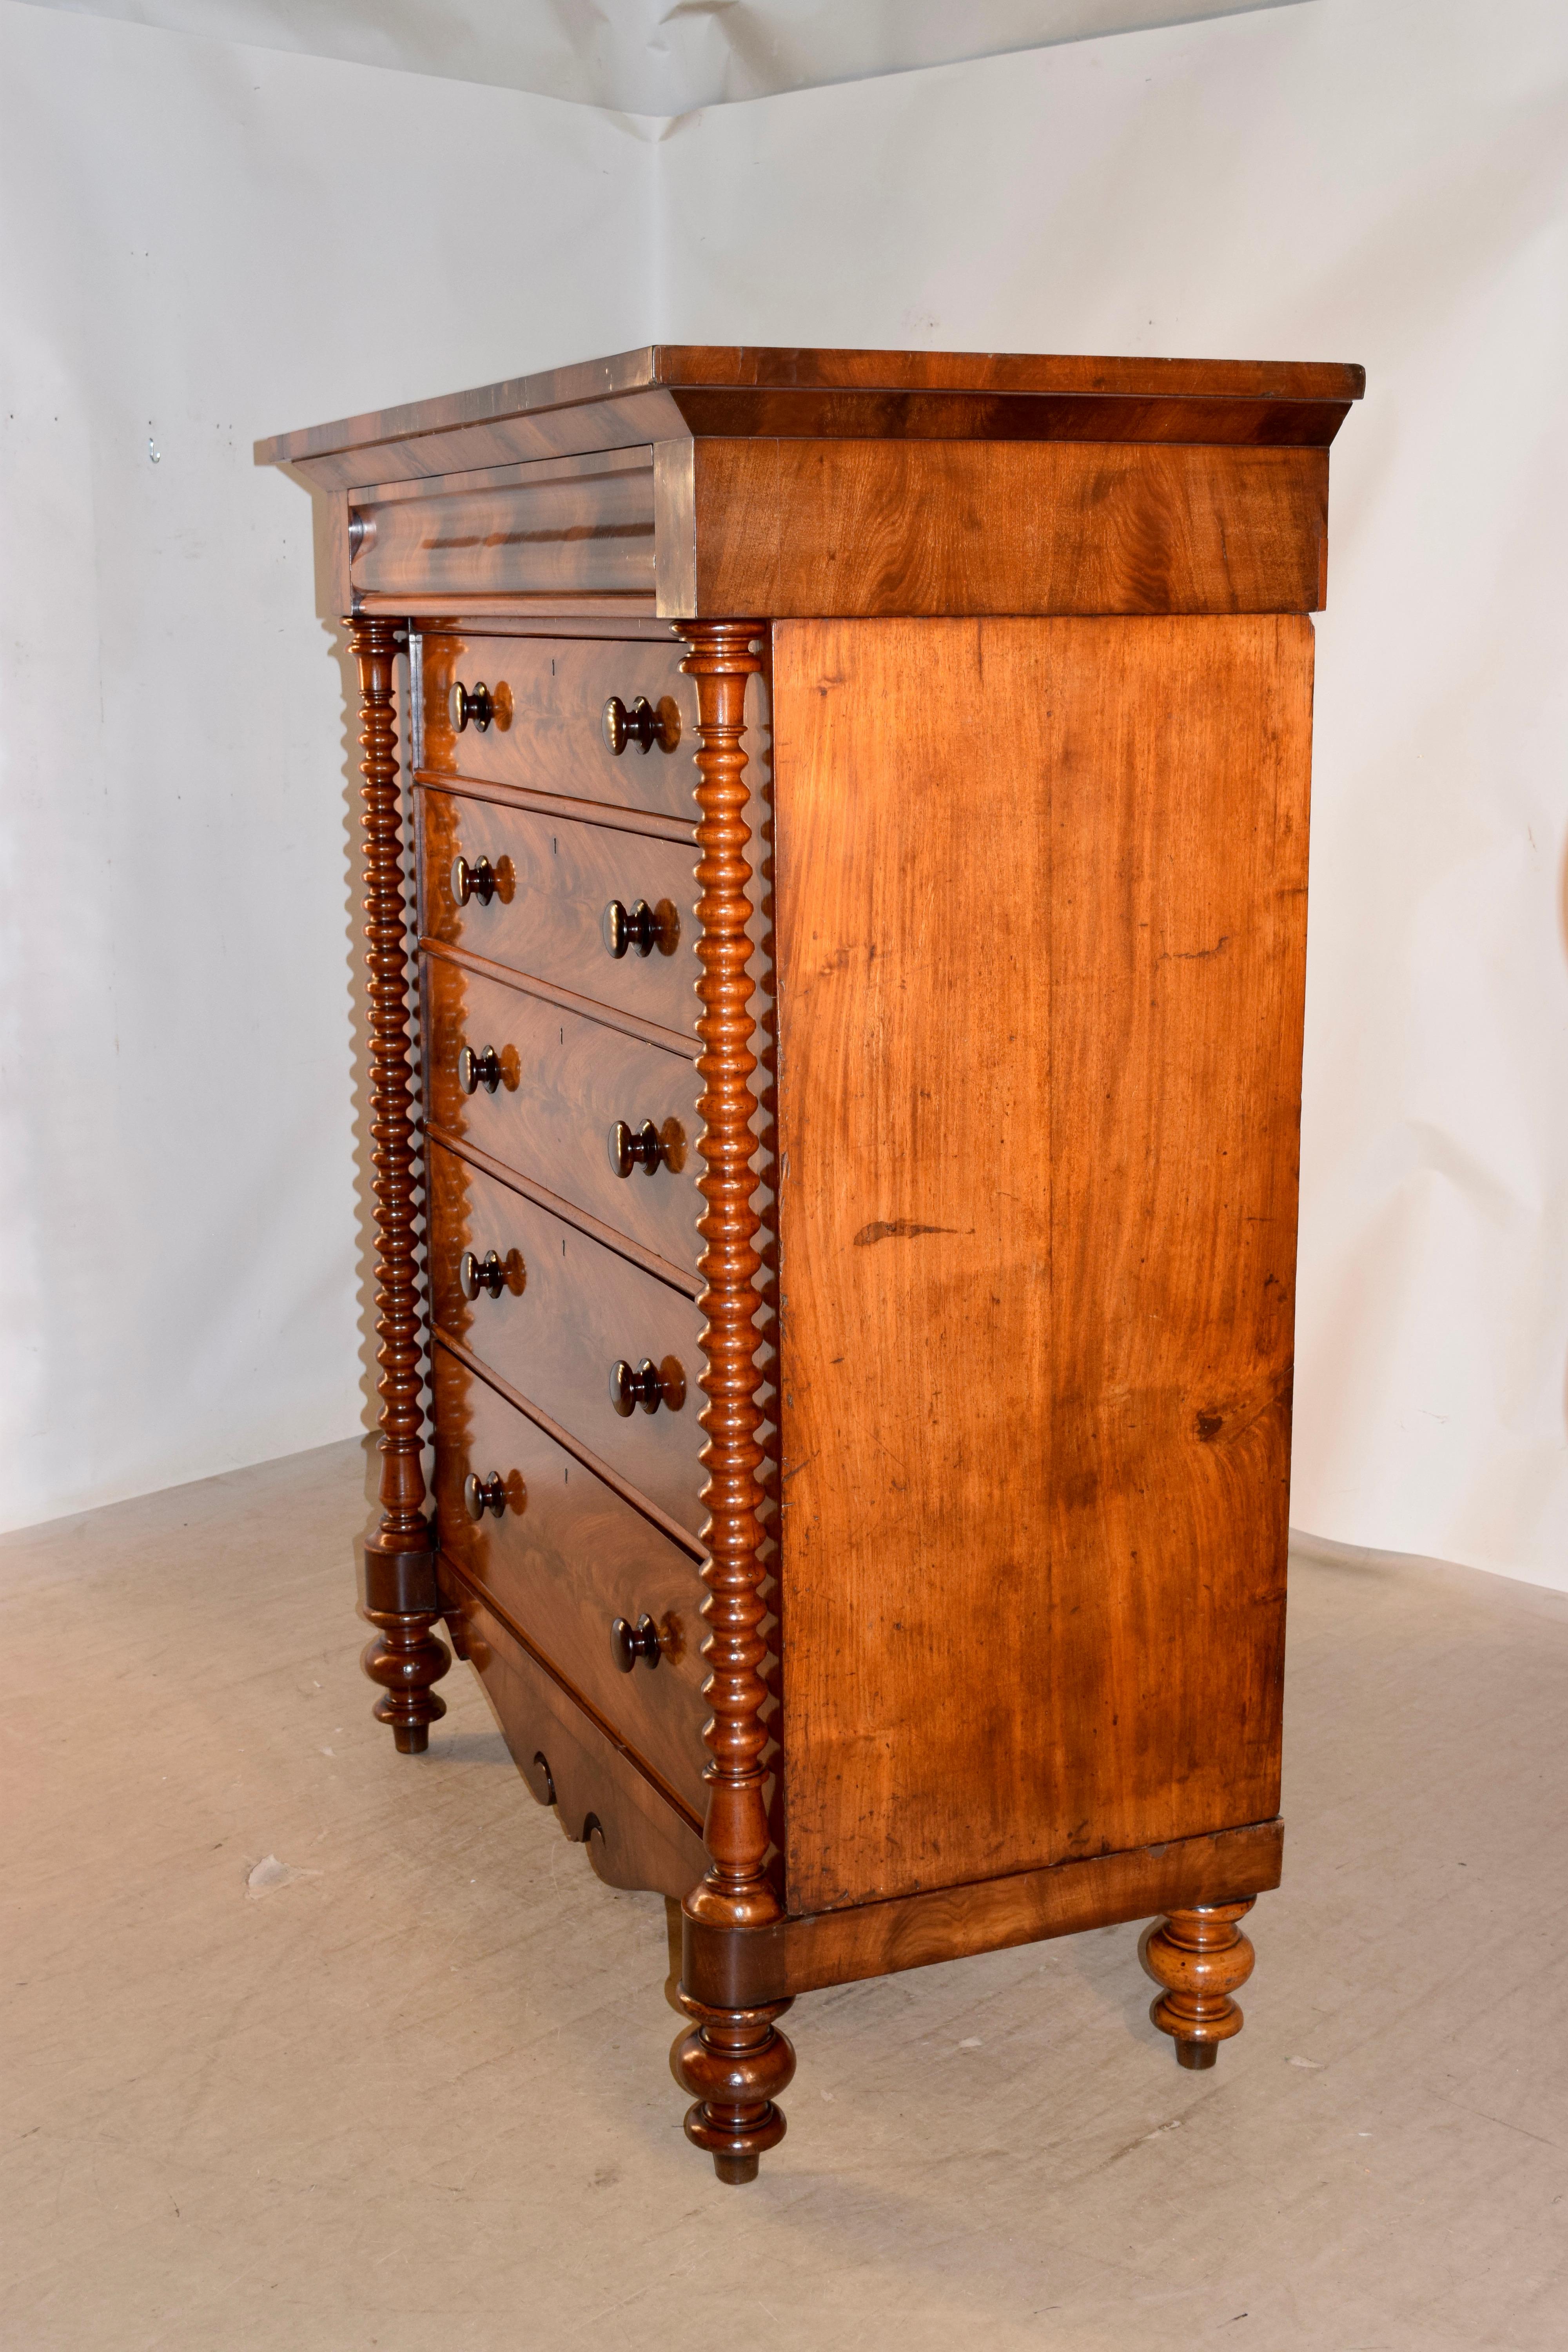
418	2094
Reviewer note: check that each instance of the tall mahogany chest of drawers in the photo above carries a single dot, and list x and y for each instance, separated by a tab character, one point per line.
834	1115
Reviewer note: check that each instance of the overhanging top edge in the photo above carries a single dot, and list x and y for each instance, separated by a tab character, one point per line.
682	366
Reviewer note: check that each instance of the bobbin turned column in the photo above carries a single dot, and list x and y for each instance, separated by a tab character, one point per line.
734	2061
398	1590
1201	1958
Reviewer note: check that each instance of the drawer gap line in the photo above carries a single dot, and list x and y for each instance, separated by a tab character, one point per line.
648	1261
669	1528
587	1008
607	814
449	604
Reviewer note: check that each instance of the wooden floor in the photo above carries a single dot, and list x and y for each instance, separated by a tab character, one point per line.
415	2092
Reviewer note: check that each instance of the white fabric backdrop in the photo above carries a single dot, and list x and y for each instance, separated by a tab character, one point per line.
654	57
1379	180
203	243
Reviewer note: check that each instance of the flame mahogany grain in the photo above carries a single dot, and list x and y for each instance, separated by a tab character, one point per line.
546	735
569	1308
868	528
566	1557
675	392
635	1833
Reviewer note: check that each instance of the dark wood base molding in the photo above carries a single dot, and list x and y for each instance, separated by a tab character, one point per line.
736	1969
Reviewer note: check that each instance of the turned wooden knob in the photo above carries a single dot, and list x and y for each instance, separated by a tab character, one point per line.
630	1642
475	1273
477	1070
650	1385
630	927
482	1495
635	1147
642	725
475	881
474	702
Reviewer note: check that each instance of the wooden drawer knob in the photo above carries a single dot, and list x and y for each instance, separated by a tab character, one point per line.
476	1274
474	702
477	1070
642	725
482	1495
475	881
630	1642
650	1385
630	927
635	1147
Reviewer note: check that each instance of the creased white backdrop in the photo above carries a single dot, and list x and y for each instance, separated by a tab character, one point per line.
201	244
1377	180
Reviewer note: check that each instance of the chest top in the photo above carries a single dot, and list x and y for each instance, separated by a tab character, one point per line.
684	481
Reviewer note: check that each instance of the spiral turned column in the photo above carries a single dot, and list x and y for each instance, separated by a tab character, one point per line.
733	2062
399	1595
1201	1958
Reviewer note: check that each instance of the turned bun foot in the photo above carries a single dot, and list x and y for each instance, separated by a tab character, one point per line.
733	2063
1201	1958
406	1658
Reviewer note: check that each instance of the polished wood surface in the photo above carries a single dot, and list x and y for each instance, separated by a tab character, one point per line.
566	1309
634	1834
805	1953
947	1159
734	2062
869	528
1201	1958
672	392
566	1557
586	528
547	733
566	1080
398	1592
1082	1199
554	879
683	1279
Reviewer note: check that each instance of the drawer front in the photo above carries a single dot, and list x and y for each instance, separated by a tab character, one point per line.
578	527
557	1314
564	1081
547	732
550	883
565	1559
639	1839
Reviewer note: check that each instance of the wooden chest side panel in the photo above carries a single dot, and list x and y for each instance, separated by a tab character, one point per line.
1040	922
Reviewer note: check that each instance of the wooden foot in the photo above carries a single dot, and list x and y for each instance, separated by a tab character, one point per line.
406	1658
1201	1958
733	2062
